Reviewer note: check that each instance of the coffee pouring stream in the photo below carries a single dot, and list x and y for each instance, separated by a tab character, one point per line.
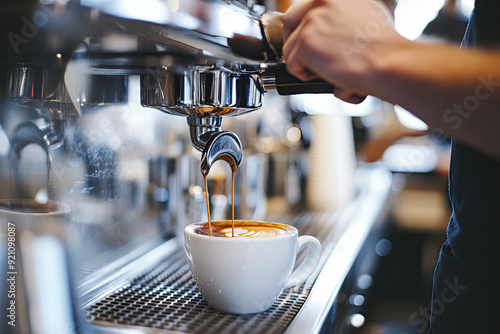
224	146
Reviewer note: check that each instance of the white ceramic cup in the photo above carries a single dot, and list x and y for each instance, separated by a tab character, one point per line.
246	274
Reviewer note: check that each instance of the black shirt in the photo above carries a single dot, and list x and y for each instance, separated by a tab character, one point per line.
447	26
466	288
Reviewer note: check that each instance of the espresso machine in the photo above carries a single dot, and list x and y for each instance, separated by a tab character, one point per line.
90	97
65	62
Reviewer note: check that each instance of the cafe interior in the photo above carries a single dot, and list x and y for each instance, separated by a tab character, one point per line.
120	108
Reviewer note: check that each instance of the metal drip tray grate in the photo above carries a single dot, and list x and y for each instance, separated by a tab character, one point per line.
167	298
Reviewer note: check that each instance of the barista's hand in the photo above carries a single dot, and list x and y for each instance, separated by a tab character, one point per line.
336	40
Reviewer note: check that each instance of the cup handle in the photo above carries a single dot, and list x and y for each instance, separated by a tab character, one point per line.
306	268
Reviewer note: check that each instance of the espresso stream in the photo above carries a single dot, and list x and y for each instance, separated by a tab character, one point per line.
234	167
247	229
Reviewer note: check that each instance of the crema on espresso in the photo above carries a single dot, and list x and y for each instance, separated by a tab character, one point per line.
244	229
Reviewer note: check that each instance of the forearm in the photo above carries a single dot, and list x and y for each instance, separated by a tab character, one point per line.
454	91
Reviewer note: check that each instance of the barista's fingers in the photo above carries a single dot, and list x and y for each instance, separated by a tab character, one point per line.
294	15
348	95
304	74
295	65
299	70
295	51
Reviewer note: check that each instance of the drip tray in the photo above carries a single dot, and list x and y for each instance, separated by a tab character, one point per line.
167	298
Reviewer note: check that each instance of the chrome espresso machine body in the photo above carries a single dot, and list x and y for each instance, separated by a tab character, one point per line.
81	86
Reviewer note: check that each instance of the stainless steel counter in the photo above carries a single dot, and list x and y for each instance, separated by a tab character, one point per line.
156	294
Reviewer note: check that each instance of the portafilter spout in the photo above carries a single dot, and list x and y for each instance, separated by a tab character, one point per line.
201	128
224	145
207	137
